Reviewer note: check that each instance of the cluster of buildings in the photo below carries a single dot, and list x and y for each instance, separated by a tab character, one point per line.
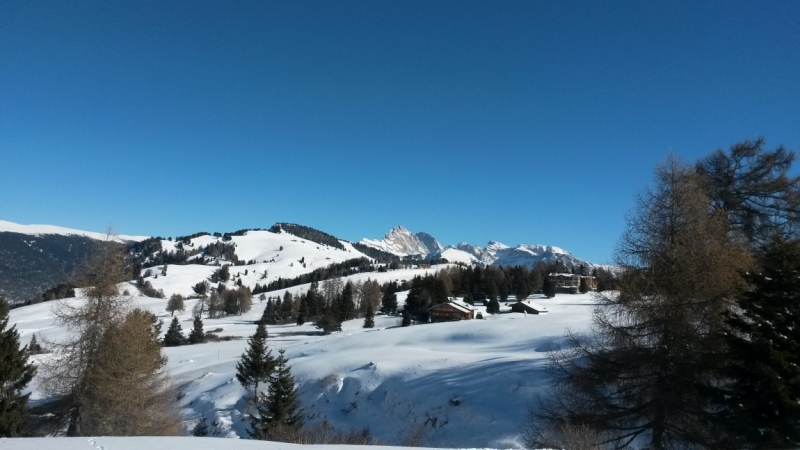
564	282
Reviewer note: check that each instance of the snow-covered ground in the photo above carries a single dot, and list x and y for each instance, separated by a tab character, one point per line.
461	384
164	443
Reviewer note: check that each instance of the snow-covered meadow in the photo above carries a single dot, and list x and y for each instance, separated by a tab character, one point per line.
458	384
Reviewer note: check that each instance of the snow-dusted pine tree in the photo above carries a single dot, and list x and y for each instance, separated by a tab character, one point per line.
257	362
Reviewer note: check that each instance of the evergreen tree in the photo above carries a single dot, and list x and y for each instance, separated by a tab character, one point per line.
406	319
196	336
257	362
369	317
279	412
389	299
15	374
287	307
330	320
347	307
468	299
34	348
201	429
549	288
313	300
521	289
493	307
268	314
174	334
764	362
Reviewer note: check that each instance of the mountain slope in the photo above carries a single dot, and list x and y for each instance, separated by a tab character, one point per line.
429	242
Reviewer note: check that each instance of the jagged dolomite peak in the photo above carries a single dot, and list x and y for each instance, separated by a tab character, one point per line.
400	242
430	242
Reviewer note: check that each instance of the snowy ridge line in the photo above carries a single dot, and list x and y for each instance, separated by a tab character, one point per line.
38	230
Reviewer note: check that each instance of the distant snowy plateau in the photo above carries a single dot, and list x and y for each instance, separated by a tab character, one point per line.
456	384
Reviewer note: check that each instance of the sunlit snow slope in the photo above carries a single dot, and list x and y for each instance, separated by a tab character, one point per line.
462	384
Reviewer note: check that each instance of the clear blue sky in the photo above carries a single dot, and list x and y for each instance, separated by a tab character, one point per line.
524	122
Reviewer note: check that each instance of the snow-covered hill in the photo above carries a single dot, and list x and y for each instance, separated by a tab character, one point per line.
276	255
459	384
455	255
40	230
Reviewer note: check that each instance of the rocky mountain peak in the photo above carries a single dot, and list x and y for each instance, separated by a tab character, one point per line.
400	242
430	242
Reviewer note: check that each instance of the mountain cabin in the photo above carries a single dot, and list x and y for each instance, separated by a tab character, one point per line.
450	311
529	307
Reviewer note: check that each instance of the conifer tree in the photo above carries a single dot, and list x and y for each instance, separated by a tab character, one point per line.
201	429
257	362
174	334
266	316
647	375
64	376
756	189
280	411
313	300
34	348
330	320
406	318
389	299
130	393
764	363
369	317
196	336
347	308
493	307
15	374
549	288
287	306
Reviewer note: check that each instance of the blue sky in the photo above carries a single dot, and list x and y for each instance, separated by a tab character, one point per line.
523	122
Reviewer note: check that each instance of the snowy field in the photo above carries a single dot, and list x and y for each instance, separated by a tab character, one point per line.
164	443
459	384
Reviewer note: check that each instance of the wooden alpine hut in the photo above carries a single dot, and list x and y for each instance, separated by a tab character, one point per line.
450	311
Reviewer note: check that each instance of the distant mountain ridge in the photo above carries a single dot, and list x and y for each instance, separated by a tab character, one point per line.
402	242
37	257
